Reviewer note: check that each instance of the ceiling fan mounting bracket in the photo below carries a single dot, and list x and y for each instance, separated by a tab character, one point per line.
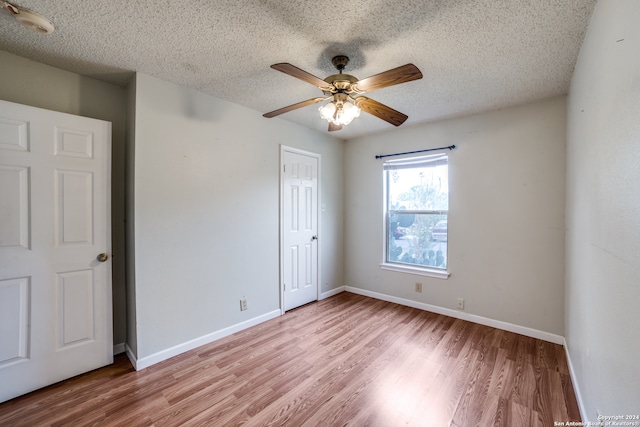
340	62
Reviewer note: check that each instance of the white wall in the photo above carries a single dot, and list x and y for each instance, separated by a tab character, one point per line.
506	214
603	213
31	83
206	212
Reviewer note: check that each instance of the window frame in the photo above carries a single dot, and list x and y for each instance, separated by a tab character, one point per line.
413	162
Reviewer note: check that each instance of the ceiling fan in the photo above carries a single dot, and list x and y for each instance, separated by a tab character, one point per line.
344	91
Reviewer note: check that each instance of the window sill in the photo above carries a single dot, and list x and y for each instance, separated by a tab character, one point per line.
430	272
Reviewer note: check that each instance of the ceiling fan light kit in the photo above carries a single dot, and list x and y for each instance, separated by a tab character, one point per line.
339	111
345	92
29	19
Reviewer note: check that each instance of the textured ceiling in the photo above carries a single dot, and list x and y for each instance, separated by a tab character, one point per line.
475	55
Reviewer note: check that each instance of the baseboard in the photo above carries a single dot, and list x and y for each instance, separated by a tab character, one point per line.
331	293
160	356
576	387
522	330
118	348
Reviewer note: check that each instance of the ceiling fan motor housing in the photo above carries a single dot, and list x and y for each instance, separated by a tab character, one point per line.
341	82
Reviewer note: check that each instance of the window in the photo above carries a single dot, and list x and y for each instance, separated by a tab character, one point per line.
417	207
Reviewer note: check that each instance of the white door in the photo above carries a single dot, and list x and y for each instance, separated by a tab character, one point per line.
55	295
299	217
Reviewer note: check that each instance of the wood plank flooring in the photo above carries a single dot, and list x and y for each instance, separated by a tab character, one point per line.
345	361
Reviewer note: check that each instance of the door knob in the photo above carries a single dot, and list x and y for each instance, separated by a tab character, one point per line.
314	238
102	257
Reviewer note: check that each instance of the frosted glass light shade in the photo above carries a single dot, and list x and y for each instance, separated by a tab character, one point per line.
339	114
327	111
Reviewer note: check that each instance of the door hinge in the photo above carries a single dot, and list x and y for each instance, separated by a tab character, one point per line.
284	168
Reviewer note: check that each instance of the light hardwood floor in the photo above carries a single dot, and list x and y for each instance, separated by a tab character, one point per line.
345	361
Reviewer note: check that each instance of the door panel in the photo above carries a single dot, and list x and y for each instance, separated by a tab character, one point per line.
74	143
14	205
300	228
74	207
294	283
14	318
75	307
14	134
55	297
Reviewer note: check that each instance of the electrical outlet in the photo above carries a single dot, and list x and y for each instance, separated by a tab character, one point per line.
418	287
460	304
243	304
